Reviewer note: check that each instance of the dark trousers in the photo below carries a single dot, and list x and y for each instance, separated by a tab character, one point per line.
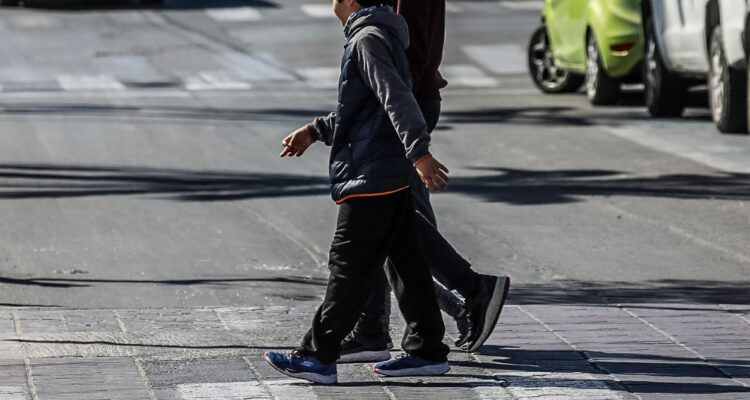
452	271
369	230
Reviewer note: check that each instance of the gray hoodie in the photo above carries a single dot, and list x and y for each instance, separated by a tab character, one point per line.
378	129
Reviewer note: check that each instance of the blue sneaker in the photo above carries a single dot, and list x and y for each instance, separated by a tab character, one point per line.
409	365
301	366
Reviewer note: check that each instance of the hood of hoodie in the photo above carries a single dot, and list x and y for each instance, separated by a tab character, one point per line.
380	16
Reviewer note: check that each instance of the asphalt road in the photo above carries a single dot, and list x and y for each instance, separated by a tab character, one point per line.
139	165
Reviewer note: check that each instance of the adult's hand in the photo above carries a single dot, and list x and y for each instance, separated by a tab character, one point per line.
434	175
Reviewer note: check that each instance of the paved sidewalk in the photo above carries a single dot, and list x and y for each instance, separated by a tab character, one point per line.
634	351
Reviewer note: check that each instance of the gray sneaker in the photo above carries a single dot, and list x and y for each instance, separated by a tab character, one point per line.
352	351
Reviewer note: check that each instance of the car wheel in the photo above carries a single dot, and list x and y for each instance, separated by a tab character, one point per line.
600	88
726	89
547	76
664	92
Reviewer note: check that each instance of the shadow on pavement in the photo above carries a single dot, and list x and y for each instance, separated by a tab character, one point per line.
86	282
87	5
506	185
18	181
533	187
154	112
151	345
655	291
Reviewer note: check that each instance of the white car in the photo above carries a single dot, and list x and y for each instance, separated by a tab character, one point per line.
691	42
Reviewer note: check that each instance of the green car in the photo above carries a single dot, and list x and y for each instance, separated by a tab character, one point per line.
599	42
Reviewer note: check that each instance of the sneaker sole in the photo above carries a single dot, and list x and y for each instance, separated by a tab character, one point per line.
430	370
308	376
365	356
502	286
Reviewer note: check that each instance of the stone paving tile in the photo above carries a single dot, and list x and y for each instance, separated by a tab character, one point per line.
88	379
9	349
170	319
166	376
539	351
55	321
13	383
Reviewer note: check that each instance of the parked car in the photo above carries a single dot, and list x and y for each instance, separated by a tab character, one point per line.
696	42
596	42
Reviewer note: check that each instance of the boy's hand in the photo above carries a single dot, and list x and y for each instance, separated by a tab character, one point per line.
297	142
433	174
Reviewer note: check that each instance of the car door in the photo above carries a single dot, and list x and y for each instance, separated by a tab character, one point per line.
685	35
564	27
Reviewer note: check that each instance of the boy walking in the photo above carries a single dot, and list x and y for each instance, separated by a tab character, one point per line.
378	138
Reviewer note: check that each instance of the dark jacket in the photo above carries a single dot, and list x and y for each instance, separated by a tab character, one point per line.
426	21
377	131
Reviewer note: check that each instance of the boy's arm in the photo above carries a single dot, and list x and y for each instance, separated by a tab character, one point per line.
379	72
322	128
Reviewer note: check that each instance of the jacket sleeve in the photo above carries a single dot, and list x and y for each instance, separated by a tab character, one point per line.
322	128
379	72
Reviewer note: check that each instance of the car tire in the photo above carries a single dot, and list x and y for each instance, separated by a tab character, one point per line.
9	3
664	92
601	89
547	76
727	96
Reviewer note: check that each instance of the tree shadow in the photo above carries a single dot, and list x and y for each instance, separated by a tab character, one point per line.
148	345
161	112
535	187
26	181
507	185
658	293
86	282
87	5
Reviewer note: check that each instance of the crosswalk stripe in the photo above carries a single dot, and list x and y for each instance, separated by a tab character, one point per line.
318	10
12	393
223	391
465	75
452	8
525	385
321	77
254	67
501	59
291	389
89	82
234	14
528	5
215	81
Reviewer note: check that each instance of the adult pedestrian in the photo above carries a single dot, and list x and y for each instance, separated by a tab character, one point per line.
485	294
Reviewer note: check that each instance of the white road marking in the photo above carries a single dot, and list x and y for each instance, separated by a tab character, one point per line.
129	68
451	7
318	10
528	5
254	67
223	391
702	144
465	75
89	82
218	80
501	59
234	14
291	389
321	77
34	21
12	393
550	386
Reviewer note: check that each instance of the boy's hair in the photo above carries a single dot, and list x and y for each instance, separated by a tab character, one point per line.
370	3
